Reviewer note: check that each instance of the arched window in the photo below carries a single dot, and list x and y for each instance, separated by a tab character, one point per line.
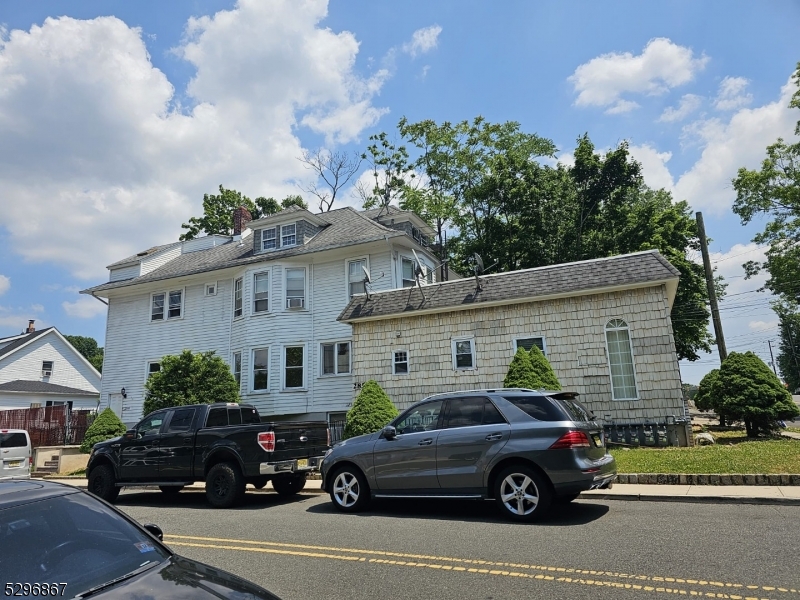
620	360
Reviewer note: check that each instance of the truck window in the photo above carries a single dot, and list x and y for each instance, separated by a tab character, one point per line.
250	415
234	416
217	417
181	419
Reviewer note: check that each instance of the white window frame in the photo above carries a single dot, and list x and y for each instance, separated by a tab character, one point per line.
251	384
274	239
147	364
268	273
213	289
402	279
347	271
453	342
336	372
233	298
627	327
286	288
48	372
166	295
163	307
395	362
528	337
283	235
304	387
234	356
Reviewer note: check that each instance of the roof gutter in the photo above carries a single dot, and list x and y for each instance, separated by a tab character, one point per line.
101	300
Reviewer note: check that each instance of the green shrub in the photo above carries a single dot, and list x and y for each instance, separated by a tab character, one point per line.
545	376
746	389
106	426
371	411
520	371
189	378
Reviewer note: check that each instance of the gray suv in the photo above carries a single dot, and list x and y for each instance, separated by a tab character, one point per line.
525	448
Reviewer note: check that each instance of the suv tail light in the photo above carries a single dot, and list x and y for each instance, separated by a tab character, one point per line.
267	441
30	461
572	439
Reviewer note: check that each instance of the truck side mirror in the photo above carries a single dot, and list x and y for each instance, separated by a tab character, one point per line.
130	434
389	432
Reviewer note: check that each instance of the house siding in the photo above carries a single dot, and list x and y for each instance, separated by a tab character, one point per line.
125	273
12	400
151	263
574	330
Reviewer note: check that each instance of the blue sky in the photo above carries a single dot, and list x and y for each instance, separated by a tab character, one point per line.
117	116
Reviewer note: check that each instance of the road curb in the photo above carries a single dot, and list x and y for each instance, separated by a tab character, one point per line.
695	499
146	488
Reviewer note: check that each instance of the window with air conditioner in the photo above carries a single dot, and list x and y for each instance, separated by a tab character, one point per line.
47	368
295	288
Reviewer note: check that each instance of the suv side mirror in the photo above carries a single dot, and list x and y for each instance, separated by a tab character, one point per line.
389	432
130	434
155	530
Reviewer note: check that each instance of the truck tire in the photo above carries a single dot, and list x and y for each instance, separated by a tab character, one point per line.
289	485
259	482
170	490
224	485
101	483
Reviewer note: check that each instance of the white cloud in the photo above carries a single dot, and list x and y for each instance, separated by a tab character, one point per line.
727	146
14	320
763	325
422	41
89	132
654	166
84	307
37	308
662	65
5	284
687	105
731	95
622	106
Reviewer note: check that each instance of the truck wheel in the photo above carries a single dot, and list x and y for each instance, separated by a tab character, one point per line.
224	485
349	490
170	490
259	482
522	494
289	485
101	483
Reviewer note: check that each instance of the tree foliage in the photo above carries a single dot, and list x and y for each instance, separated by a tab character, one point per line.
491	186
371	411
704	400
789	345
88	348
189	378
747	390
218	210
545	376
107	425
520	371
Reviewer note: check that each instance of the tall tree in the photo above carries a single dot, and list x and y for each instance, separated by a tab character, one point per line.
294	200
391	171
333	170
88	347
789	346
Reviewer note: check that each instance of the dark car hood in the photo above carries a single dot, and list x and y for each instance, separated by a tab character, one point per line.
108	442
178	578
359	439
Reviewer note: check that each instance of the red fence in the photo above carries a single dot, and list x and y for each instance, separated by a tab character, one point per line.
49	426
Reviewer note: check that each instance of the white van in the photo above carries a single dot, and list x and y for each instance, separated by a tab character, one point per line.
16	456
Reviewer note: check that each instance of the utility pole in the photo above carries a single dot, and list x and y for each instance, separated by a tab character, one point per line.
712	292
772	357
791	341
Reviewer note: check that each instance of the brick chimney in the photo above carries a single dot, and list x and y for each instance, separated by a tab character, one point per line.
241	216
31	328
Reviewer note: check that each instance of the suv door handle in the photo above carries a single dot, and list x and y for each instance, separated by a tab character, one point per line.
426	442
492	437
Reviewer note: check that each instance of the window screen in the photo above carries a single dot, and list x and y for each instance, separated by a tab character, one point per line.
540	408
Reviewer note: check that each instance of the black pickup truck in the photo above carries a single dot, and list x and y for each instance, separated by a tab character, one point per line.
225	445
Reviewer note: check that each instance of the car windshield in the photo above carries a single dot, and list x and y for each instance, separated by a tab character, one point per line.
72	539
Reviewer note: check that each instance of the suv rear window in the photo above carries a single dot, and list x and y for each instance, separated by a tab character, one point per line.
576	410
13	440
538	407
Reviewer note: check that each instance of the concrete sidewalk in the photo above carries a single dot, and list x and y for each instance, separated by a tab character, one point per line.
720	494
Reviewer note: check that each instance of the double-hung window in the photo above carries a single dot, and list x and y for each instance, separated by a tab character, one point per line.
356	276
336	358
463	354
269	240
293	367
175	304
289	235
408	272
620	360
157	307
237	297
166	305
295	288
237	367
261	369
400	362
261	292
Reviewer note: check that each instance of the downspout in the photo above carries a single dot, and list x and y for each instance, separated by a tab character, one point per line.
393	261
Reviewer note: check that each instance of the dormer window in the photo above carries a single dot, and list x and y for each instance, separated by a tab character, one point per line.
268	239
289	235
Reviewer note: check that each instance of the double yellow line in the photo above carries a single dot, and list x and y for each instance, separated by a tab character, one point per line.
612	579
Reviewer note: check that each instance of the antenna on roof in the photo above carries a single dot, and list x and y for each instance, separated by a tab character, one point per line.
367	281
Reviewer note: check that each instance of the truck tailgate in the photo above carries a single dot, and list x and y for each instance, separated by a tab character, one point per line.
299	440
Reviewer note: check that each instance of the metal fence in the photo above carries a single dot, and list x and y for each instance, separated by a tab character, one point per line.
337	430
48	426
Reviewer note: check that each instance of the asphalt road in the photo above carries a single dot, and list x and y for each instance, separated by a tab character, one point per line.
301	549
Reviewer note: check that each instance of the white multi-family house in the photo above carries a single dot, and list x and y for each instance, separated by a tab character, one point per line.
265	299
41	368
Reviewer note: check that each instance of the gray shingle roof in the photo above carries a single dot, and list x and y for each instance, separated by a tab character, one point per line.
347	227
568	278
135	258
6	350
41	387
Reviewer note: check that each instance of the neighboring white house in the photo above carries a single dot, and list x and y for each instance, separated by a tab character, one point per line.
41	368
265	300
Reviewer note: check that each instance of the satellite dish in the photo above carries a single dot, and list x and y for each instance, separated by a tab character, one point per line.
419	269
367	278
478	263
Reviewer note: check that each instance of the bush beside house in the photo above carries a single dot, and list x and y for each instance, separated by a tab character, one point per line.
371	411
106	426
531	370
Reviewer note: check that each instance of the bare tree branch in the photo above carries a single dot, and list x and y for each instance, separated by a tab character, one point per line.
333	171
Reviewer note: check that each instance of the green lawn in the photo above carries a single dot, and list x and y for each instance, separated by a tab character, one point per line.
733	453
